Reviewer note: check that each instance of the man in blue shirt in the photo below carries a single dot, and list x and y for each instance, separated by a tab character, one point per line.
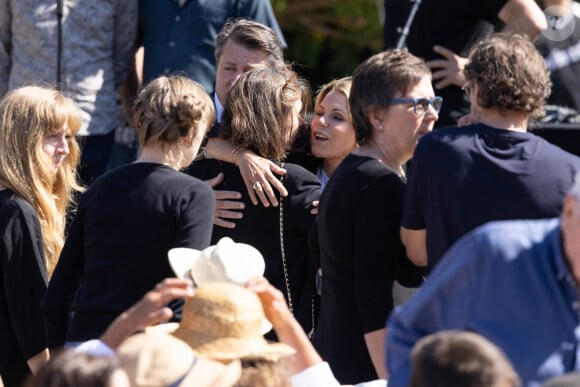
514	282
180	35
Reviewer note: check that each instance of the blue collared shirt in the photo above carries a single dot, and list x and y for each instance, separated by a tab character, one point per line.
507	281
182	38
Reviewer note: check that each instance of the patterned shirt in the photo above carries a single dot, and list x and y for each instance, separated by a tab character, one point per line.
98	39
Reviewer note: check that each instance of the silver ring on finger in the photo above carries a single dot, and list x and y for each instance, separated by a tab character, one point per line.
257	186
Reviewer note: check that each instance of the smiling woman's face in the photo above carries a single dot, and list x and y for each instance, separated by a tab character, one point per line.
332	135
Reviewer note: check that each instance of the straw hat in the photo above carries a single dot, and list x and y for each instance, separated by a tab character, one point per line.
155	359
223	322
225	261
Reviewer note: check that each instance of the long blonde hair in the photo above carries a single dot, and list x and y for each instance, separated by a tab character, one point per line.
27	116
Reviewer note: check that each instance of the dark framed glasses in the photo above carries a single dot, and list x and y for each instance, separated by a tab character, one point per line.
420	105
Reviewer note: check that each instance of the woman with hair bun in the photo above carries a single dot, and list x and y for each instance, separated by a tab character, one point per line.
130	217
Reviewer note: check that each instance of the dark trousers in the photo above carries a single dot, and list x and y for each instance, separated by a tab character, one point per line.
95	154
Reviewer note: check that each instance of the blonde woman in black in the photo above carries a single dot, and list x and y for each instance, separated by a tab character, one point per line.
38	160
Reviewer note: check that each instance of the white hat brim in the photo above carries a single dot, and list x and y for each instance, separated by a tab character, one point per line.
181	260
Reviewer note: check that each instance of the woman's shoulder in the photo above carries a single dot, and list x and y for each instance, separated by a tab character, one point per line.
12	204
367	168
16	211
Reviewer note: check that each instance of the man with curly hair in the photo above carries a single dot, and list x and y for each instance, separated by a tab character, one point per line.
491	168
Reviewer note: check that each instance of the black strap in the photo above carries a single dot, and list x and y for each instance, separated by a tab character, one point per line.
59	16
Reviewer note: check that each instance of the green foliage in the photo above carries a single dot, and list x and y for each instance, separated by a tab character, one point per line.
328	38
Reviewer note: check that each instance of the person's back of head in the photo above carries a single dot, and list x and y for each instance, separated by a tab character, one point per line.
510	73
253	35
156	358
257	110
264	373
170	108
72	369
459	358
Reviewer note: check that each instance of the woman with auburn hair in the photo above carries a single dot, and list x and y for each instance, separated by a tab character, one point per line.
130	217
38	161
262	114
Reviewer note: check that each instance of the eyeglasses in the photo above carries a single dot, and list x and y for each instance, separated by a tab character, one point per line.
420	105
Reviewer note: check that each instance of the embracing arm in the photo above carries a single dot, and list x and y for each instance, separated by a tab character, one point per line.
254	169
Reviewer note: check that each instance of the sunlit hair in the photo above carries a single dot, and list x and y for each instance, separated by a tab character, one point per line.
510	73
258	108
27	116
342	86
71	369
459	358
377	81
169	108
252	35
263	373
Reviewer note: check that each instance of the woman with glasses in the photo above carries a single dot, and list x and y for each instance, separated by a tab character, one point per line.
393	105
262	114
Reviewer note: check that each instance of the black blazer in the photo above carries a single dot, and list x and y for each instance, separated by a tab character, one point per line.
260	227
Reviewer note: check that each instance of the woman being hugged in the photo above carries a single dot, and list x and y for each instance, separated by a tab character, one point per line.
332	135
392	105
262	115
38	161
130	217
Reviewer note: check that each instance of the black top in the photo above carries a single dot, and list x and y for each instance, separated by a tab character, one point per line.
463	177
117	246
23	281
454	24
358	224
260	227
